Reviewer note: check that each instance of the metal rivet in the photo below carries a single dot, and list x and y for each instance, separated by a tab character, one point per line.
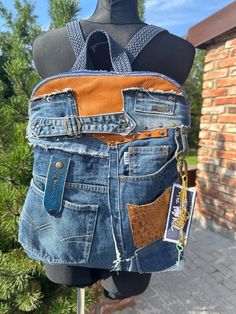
162	133
160	125
122	140
146	128
135	136
148	134
59	165
173	124
49	98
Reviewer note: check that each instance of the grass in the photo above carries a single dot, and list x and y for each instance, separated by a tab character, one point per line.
192	157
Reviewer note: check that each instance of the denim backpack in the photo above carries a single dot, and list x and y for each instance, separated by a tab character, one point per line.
106	151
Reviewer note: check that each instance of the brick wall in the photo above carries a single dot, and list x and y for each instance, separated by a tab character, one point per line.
216	175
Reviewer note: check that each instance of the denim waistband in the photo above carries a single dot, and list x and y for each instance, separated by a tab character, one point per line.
143	110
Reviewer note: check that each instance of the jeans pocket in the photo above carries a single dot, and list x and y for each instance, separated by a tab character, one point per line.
144	160
148	221
155	102
65	238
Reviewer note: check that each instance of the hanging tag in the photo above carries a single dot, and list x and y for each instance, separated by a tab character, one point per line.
172	234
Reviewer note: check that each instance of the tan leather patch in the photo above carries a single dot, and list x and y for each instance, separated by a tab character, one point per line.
102	94
117	139
148	221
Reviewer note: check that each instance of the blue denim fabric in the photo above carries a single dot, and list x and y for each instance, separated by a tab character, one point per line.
77	214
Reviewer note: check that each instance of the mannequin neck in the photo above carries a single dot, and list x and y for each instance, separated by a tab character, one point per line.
116	12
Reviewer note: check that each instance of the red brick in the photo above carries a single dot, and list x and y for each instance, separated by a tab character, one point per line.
230	217
228	181
215	74
233	52
230	128
208	143
205	118
203	212
216	127
230	43
209	66
227	155
227	118
204	126
214	92
213	135
207	84
209	159
227	137
204	134
218	187
213	110
225	100
223	222
207	102
229	146
211	56
228	81
230	164
203	151
227	62
231	90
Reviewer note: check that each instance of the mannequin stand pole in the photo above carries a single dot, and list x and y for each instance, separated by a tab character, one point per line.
80	301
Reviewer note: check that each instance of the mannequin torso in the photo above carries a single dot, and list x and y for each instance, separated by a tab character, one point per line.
166	53
52	51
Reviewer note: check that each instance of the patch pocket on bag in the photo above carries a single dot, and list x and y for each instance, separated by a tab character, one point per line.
144	160
148	221
154	102
66	238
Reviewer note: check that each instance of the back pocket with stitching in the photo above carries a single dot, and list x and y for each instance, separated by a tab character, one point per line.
66	238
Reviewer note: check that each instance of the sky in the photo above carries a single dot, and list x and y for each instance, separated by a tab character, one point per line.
177	16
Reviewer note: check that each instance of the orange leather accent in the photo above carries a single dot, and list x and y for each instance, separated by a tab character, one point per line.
117	139
148	221
102	94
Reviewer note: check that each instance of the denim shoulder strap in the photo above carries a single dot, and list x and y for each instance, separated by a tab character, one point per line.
141	39
76	36
121	58
118	55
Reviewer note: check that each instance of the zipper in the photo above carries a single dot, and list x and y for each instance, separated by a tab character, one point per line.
110	73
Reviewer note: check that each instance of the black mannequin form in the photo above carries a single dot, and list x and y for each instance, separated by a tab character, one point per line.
166	53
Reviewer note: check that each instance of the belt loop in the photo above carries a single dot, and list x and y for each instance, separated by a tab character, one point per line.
55	184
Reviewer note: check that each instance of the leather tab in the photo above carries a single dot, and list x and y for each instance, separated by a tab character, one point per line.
55	184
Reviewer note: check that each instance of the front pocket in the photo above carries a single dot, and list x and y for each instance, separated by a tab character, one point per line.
66	238
144	160
155	102
148	221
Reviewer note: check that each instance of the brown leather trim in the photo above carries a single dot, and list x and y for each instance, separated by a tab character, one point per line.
117	139
102	94
148	221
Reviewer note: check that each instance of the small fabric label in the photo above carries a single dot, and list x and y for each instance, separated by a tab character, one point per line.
126	158
171	233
